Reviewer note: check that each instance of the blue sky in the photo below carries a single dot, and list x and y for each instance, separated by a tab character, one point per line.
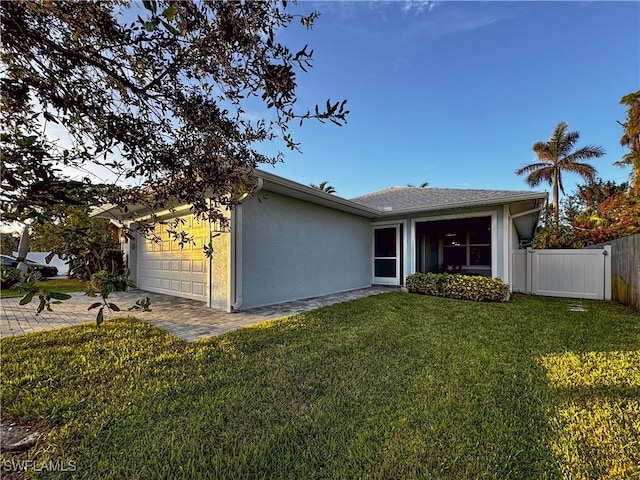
456	93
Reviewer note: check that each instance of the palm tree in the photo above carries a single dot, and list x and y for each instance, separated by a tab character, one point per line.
631	138
557	156
422	185
323	187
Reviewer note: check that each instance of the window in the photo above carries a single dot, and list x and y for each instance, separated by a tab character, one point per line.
467	242
9	262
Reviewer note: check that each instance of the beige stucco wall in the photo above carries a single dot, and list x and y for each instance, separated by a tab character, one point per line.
220	270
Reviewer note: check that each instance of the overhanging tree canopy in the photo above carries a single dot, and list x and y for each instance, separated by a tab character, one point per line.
157	94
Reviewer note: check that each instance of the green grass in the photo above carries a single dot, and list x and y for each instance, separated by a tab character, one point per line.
64	285
391	386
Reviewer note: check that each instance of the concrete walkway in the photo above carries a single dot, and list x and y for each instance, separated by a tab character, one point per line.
187	319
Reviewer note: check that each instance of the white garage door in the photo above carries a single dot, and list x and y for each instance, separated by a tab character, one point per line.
164	267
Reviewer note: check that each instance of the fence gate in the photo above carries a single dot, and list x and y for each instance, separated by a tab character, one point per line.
563	273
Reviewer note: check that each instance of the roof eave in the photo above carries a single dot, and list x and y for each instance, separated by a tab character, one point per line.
297	190
482	203
114	212
272	183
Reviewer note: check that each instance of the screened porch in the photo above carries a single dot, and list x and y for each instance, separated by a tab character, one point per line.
460	245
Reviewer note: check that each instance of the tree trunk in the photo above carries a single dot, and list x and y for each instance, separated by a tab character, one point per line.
556	206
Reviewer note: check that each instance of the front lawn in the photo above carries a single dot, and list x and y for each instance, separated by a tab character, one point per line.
64	285
391	386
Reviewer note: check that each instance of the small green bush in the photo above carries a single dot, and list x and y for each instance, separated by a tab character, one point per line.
9	277
105	282
465	287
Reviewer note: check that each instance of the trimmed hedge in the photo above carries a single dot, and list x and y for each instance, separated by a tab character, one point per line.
465	287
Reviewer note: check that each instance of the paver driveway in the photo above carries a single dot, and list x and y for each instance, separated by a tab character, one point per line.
188	319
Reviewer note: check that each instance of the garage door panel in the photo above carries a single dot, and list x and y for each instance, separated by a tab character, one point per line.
197	266
164	267
149	265
149	282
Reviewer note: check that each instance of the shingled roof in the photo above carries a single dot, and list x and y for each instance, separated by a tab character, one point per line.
399	199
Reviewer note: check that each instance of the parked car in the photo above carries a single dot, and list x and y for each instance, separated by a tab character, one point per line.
37	270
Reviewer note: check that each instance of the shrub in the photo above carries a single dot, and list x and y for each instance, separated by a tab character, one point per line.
9	277
465	287
104	282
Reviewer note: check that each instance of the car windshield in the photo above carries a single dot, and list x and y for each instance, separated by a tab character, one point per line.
8	261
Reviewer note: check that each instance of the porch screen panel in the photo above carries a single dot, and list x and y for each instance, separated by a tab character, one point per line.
384	267
386	255
385	242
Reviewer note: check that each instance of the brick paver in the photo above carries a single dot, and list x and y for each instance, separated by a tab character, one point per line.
187	319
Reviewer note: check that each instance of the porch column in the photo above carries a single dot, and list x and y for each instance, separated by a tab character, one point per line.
411	242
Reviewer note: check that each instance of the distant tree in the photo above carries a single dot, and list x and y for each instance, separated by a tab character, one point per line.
154	91
557	156
323	187
10	242
592	194
551	236
595	213
422	185
631	138
615	217
86	242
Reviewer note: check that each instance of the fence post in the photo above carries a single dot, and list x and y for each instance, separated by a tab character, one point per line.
607	271
529	270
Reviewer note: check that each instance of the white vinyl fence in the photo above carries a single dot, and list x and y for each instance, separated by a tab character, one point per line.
563	273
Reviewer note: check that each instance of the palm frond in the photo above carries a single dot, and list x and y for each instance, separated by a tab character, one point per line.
560	184
541	149
323	187
589	151
559	131
536	177
554	144
566	143
629	158
531	168
625	162
585	170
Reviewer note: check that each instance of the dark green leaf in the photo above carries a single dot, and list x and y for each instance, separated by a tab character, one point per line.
94	305
49	117
152	24
114	307
100	317
59	295
151	5
171	28
27	141
27	298
43	303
